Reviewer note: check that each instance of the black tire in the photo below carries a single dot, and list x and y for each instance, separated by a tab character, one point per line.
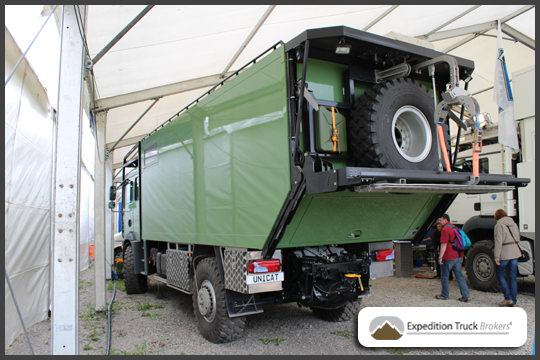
135	283
373	138
344	313
221	328
481	267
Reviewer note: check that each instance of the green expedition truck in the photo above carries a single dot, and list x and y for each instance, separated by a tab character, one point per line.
270	187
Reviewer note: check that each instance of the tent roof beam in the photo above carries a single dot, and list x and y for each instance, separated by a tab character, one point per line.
477	28
442	26
380	17
116	101
248	39
121	34
519	36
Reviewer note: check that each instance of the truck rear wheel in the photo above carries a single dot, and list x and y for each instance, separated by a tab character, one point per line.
344	313
135	283
209	305
392	126
481	267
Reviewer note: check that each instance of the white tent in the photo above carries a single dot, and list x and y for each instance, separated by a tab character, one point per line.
193	45
29	156
176	53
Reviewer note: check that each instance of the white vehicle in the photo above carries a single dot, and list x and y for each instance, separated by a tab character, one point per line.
475	212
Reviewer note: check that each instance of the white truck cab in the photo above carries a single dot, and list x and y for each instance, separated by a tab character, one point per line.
475	212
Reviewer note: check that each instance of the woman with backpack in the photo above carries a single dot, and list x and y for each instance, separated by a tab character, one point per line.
506	254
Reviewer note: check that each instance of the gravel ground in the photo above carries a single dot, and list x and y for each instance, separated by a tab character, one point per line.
162	322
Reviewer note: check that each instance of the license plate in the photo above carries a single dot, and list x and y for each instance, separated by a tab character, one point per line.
254	279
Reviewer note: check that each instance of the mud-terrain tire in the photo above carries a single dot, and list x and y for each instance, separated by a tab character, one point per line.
481	268
392	126
135	283
345	313
214	324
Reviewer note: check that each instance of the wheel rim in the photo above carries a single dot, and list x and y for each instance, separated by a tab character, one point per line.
411	134
206	301
483	267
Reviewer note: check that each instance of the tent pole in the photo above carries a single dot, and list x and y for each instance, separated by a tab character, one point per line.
519	36
380	17
121	34
99	211
65	215
109	217
248	39
133	125
478	30
442	26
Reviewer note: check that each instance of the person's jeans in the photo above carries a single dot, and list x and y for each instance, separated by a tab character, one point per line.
455	267
509	290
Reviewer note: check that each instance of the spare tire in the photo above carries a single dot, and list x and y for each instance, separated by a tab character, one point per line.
392	126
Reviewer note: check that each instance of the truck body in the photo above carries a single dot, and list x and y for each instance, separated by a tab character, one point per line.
265	190
475	211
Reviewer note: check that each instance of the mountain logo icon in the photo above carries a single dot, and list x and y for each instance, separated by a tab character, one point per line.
386	328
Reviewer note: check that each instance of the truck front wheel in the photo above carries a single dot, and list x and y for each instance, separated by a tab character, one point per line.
481	267
209	305
344	313
135	283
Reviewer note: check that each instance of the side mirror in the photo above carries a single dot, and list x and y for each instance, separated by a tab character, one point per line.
112	205
112	193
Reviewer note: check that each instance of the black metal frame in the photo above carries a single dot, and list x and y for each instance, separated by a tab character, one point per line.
362	38
298	180
311	178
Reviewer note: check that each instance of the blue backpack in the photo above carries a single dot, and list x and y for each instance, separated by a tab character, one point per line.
461	241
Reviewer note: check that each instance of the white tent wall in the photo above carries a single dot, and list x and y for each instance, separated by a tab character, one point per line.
86	229
29	142
29	138
86	214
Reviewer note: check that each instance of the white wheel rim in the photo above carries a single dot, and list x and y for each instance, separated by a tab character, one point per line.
206	301
411	134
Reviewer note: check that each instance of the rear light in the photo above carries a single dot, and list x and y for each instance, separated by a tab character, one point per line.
384	255
264	266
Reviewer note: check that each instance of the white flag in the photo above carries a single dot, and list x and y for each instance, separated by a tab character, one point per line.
502	95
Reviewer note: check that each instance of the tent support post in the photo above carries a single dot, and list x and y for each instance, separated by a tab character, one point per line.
99	211
65	215
109	217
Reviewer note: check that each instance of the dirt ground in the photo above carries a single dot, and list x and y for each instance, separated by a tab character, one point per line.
161	322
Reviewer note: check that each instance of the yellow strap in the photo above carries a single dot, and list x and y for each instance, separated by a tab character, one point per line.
335	134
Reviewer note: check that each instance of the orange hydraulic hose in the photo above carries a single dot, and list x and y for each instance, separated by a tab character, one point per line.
444	151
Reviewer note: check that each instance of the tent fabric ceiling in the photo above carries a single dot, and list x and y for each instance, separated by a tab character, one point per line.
174	43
